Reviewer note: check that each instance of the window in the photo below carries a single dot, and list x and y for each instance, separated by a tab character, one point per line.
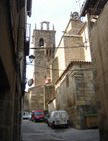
41	42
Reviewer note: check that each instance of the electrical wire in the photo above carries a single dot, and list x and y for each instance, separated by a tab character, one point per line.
83	69
66	47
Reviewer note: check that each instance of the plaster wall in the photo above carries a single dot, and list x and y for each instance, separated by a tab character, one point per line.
60	55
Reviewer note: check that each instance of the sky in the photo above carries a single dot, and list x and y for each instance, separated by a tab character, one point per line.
57	12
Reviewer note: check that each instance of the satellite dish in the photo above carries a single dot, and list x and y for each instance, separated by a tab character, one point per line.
30	82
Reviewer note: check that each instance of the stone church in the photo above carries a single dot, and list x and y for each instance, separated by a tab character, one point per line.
44	43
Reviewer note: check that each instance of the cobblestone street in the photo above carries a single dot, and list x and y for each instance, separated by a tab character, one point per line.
32	131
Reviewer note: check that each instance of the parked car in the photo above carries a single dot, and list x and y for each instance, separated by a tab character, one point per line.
38	115
26	115
58	118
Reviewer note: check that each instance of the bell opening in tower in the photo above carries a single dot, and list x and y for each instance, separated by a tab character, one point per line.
41	42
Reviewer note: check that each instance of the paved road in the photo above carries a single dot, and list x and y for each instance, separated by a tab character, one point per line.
32	131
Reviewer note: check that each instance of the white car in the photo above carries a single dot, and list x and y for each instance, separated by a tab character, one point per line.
26	115
58	118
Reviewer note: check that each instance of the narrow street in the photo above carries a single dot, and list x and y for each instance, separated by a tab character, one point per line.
32	131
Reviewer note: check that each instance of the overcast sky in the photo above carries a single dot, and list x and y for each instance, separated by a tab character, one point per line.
57	12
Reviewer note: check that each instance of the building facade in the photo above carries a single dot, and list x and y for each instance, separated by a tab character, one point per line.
96	13
75	93
74	84
13	51
68	72
36	98
70	48
44	43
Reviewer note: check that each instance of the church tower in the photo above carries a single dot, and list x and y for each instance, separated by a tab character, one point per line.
44	43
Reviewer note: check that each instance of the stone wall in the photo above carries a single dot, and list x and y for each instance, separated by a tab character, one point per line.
55	70
36	98
99	47
11	93
73	27
52	105
43	57
74	49
76	88
26	102
41	71
12	67
49	95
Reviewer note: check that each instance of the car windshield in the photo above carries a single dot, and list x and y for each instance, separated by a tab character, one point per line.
63	114
59	114
39	113
25	113
56	115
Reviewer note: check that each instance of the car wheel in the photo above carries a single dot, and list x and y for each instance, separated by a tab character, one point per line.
48	124
53	125
66	126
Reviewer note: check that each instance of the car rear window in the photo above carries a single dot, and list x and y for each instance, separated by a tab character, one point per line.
38	113
59	114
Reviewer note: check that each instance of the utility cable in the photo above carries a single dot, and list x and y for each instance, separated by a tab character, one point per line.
66	47
83	69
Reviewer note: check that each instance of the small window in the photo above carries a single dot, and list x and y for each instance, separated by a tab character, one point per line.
41	42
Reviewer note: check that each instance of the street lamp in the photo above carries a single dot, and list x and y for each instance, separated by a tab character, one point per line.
31	58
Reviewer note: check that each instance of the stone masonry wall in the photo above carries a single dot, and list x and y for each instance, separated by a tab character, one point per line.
44	56
74	27
74	49
36	98
48	95
72	46
99	44
76	88
55	70
10	97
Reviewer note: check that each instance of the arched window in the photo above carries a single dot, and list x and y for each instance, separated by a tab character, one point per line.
41	42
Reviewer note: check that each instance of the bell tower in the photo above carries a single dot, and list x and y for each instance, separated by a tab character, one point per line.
44	44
